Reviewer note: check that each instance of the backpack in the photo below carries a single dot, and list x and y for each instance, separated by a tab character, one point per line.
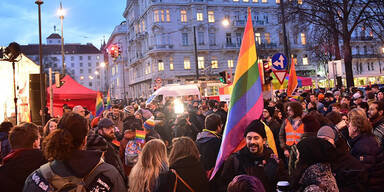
131	152
67	184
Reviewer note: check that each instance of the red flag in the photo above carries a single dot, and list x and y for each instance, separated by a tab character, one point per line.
292	81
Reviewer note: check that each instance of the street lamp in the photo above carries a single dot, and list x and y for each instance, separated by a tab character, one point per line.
61	13
225	22
42	82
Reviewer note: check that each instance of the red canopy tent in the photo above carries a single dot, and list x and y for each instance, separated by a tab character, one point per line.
72	94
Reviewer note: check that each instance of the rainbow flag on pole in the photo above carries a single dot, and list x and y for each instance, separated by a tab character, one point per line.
109	105
246	98
99	104
292	81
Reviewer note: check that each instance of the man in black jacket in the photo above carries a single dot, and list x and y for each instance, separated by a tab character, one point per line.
209	140
255	159
105	130
24	158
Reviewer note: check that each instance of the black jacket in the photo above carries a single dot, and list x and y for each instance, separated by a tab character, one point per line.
17	166
263	166
209	146
80	165
192	172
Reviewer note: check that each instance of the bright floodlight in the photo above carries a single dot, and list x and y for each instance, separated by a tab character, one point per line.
179	106
61	12
96	72
225	22
102	64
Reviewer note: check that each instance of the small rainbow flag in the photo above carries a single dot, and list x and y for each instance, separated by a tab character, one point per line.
109	105
246	99
140	136
99	104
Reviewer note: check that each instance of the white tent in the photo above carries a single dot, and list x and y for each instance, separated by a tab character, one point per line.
24	67
175	91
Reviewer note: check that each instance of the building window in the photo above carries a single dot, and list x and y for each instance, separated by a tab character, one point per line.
171	63
238	39
162	15
299	2
80	58
264	1
372	67
81	71
89	64
235	0
81	64
90	84
184	39
97	64
201	38
230	63
305	60
97	57
255	1
200	62
228	38
212	39
143	25
302	37
156	16
199	16
148	69
161	65
258	38
183	14
72	58
246	1
214	63
211	16
277	1
187	63
267	38
72	65
168	16
89	57
89	70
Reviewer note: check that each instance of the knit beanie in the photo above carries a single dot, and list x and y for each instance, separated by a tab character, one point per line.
149	124
96	142
326	131
315	150
256	126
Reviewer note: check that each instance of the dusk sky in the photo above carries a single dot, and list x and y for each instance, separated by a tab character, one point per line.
85	20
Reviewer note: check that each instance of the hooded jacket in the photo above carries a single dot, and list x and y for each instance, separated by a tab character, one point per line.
17	166
209	146
105	176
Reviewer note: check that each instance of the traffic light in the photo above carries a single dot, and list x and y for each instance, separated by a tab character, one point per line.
223	76
114	51
267	72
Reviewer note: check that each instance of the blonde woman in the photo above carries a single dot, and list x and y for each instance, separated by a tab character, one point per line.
152	162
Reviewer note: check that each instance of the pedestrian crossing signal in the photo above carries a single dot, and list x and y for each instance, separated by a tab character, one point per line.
223	76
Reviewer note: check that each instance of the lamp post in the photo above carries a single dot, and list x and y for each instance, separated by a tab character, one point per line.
42	82
61	13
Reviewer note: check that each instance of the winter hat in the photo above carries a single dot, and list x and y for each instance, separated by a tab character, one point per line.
311	124
245	183
320	96
356	95
96	142
326	131
149	124
256	126
105	123
315	150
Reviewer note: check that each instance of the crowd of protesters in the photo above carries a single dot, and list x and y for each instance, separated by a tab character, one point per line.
326	140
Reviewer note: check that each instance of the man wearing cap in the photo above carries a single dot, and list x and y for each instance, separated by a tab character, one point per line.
106	130
350	174
255	159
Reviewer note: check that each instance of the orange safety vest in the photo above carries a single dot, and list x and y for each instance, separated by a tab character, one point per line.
293	136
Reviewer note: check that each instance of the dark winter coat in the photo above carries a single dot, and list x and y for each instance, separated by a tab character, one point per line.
318	177
366	149
17	166
80	165
378	130
192	172
5	146
263	166
209	146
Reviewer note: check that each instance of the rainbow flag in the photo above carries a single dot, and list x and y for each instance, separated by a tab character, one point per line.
292	81
109	105
246	99
140	136
99	104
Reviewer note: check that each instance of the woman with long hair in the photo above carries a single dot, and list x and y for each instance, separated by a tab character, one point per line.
50	126
70	164
184	161
153	161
